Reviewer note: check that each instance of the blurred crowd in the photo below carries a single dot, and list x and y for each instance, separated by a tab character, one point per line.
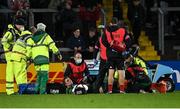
74	24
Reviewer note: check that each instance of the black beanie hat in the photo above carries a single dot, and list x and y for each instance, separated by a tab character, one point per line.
19	21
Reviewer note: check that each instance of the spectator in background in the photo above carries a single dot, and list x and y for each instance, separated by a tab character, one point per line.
117	9
54	4
89	14
3	4
39	3
15	5
4	16
46	17
76	42
136	16
149	5
22	13
21	8
65	21
76	4
100	2
91	41
19	4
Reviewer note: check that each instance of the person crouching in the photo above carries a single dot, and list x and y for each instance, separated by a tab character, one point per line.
76	73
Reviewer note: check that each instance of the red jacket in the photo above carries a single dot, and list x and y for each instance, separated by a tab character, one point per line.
76	72
99	46
117	35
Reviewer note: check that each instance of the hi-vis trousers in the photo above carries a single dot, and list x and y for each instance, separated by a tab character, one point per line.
17	70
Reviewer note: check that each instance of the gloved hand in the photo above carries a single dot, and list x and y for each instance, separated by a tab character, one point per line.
95	61
85	79
60	57
125	54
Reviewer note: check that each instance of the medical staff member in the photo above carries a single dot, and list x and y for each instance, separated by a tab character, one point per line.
19	57
40	55
10	36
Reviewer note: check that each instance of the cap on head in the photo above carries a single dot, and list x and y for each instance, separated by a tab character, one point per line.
114	20
41	26
19	21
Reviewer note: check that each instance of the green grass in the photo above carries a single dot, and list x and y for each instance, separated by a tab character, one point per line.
169	100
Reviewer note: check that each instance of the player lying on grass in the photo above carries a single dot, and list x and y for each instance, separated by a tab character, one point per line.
136	75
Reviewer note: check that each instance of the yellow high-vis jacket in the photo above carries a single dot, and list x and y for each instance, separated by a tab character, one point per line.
141	63
21	48
40	50
8	40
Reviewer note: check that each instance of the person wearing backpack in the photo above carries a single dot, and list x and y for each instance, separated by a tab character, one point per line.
116	40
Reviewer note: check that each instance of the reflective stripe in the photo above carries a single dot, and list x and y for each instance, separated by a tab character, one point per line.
20	40
19	53
10	82
9	87
23	40
40	45
44	38
50	43
26	38
30	36
6	37
13	33
29	45
7	51
21	45
4	41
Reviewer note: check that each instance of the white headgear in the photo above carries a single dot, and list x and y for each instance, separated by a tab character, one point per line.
41	26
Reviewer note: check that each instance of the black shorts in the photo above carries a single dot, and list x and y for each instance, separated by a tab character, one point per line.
116	63
115	59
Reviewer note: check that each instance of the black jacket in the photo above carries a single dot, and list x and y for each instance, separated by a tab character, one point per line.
76	42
